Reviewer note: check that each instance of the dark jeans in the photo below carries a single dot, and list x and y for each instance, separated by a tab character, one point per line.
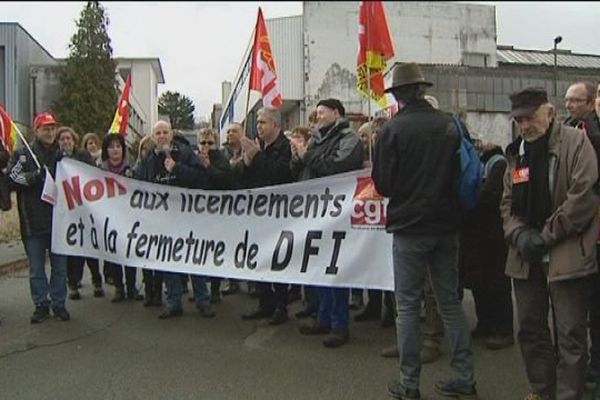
549	377
75	270
153	281
117	273
494	309
413	255
272	296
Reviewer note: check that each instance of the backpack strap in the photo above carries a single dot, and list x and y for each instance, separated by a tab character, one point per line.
490	163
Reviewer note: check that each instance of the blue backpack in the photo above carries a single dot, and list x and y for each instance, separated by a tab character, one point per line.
470	176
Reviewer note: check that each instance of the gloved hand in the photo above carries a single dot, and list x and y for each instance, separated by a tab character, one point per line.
531	246
35	177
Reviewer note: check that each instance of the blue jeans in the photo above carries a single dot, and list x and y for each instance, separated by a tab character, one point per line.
36	247
413	254
333	307
174	290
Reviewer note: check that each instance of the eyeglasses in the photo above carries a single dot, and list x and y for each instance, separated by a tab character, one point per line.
204	143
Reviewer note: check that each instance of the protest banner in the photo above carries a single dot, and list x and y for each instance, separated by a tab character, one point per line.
328	231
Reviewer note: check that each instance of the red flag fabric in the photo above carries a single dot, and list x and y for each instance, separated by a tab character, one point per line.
263	77
121	119
8	131
374	49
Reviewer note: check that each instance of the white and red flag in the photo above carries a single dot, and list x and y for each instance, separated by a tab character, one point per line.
263	77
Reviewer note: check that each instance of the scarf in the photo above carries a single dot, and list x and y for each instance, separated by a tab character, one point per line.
530	191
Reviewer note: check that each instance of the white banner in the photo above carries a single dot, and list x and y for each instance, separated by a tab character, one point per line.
327	231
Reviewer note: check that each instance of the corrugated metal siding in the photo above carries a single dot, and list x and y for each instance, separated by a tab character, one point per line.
526	57
287	45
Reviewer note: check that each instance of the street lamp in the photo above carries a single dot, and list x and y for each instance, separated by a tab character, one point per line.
557	40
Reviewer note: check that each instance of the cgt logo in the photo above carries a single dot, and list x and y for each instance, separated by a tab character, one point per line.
92	190
368	206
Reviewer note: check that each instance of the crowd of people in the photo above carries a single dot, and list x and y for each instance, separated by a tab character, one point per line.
534	230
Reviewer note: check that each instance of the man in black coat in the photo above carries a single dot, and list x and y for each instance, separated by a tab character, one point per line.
172	162
415	166
267	162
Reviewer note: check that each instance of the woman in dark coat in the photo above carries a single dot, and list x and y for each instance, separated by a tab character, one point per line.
483	257
114	160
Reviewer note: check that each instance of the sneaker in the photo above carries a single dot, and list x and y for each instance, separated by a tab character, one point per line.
206	311
498	342
456	388
399	392
259	313
98	292
40	314
61	314
337	338
75	295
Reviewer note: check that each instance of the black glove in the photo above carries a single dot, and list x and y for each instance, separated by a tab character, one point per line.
531	246
35	177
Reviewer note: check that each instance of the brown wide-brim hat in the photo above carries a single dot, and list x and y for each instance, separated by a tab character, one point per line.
407	74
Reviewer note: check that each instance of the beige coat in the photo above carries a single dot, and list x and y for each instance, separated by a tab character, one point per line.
571	229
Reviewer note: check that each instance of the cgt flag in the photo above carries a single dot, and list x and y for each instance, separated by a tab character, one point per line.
121	119
263	77
8	130
374	49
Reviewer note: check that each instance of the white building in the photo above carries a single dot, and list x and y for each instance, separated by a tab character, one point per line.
315	53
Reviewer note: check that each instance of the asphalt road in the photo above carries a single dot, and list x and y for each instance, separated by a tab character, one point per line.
123	351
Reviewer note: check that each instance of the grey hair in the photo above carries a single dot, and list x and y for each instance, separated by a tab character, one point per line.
272	113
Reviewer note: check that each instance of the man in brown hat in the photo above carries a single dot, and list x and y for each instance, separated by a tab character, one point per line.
414	165
548	209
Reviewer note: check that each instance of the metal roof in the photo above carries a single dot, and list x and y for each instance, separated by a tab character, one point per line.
564	58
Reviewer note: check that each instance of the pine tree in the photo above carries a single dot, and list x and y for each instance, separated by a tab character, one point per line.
88	94
179	108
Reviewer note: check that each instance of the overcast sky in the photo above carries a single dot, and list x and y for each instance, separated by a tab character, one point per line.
201	44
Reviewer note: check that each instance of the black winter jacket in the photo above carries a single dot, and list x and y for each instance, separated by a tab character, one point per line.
188	172
220	175
415	165
271	166
35	215
331	151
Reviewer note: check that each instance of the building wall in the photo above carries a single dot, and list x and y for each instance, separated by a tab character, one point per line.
20	51
424	32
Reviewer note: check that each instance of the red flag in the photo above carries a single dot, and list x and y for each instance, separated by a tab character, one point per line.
8	131
374	49
121	119
263	77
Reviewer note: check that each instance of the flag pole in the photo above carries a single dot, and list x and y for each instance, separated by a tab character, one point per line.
251	47
367	31
27	146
